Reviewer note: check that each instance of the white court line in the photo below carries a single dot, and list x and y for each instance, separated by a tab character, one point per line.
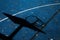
30	9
